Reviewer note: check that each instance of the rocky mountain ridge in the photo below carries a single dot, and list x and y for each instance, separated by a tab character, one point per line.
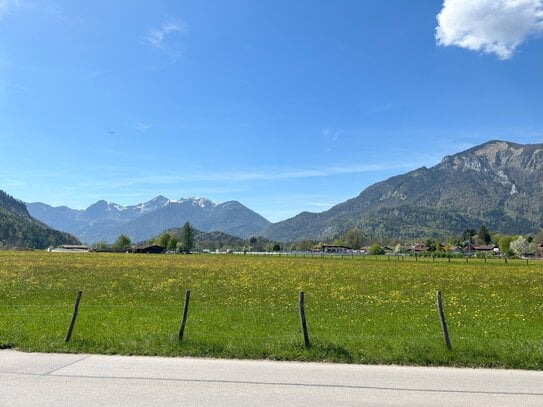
497	183
105	221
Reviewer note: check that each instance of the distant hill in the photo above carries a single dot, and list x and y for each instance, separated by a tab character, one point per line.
499	184
212	240
105	221
19	229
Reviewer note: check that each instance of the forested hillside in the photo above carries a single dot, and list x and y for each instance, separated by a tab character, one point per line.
19	229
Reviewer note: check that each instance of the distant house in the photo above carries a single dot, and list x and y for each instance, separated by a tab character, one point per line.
418	247
334	249
73	248
485	248
455	250
150	249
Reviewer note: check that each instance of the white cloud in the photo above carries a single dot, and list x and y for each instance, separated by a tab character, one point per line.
157	37
490	26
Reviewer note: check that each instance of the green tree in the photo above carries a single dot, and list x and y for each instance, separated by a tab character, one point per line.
122	244
468	234
276	247
163	240
172	243
375	249
305	245
354	238
100	246
484	234
187	238
504	243
431	245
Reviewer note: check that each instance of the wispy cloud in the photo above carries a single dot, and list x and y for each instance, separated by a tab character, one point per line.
6	6
12	183
122	179
142	127
158	37
331	135
490	26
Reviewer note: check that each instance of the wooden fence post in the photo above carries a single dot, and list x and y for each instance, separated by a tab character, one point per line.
74	316
184	317
441	315
301	310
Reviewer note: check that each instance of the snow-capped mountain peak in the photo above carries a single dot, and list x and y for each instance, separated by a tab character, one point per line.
155	203
199	201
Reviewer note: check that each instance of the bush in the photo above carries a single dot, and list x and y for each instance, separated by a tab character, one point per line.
375	249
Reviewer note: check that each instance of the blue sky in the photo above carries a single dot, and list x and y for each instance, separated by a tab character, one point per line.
284	106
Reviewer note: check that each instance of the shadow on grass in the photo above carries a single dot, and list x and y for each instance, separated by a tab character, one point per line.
322	351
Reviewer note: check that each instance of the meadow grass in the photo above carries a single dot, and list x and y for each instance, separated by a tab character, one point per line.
370	310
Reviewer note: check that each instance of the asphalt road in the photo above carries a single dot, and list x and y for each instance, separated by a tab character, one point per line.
38	379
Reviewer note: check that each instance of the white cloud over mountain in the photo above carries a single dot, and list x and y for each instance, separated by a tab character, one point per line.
491	26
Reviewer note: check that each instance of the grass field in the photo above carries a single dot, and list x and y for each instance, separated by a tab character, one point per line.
358	310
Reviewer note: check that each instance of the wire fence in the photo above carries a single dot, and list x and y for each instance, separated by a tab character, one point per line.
280	320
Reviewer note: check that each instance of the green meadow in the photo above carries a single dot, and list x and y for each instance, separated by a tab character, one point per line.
358	310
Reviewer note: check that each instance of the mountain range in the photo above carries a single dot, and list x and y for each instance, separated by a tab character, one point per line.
498	183
18	228
105	221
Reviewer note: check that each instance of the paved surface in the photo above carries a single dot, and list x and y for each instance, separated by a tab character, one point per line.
37	379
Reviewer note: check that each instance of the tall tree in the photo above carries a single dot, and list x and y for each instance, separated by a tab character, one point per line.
468	234
163	239
122	243
484	234
187	237
519	246
504	244
354	238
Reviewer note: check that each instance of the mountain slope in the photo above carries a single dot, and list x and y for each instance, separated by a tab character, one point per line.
499	184
105	221
18	228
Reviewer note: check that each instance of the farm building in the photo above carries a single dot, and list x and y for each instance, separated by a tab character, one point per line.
334	249
153	249
71	248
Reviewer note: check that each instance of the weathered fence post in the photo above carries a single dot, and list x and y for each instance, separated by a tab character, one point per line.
301	310
74	317
441	315
184	317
